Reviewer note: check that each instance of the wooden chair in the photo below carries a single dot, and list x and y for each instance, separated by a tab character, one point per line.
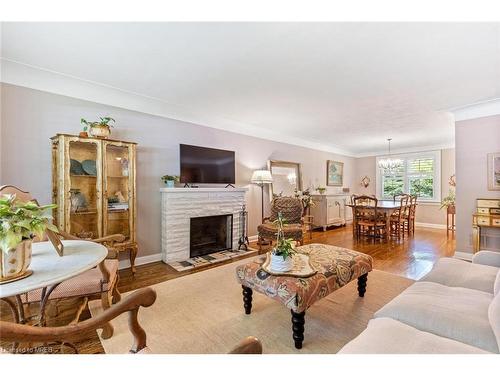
368	221
399	217
22	333
100	282
291	209
411	215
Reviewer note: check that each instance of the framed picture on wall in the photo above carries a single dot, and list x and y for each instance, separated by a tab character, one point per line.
494	171
334	173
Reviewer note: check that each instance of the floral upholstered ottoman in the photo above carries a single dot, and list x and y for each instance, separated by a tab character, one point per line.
335	268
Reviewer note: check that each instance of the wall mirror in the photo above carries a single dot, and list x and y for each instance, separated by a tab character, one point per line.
286	177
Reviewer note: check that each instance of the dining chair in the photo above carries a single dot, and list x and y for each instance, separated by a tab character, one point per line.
368	220
399	217
411	215
100	282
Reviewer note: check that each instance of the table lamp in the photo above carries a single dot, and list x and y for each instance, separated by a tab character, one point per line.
262	177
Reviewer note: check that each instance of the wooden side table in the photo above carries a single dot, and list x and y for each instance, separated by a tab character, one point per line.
450	220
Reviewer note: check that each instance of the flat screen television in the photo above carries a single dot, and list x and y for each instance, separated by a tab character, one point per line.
203	165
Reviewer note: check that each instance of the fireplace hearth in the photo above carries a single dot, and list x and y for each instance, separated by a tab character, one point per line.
210	234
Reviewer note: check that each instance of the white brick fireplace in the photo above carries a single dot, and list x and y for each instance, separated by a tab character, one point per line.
179	205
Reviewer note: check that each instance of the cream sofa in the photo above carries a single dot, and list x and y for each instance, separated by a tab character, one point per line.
454	309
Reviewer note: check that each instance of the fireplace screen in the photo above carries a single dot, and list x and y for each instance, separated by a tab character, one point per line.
209	234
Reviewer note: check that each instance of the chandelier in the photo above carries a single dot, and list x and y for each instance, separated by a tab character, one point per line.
388	164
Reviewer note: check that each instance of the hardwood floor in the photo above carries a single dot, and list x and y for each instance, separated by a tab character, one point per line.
411	258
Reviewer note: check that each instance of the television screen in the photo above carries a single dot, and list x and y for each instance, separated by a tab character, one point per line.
202	165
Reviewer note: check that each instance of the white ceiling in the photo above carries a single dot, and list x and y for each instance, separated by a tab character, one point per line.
347	86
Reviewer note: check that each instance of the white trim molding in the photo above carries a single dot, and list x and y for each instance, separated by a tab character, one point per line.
125	263
477	110
430	225
34	77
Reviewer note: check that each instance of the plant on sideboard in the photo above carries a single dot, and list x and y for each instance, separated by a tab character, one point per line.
170	180
321	190
282	253
20	222
98	129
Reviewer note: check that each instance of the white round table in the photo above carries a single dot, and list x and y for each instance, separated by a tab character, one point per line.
49	269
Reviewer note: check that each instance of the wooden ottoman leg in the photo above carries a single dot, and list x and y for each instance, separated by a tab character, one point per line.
298	321
362	284
247	299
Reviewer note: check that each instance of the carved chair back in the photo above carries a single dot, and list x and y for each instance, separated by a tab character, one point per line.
291	209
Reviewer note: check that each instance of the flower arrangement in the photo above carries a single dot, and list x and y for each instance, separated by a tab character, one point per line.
306	199
21	221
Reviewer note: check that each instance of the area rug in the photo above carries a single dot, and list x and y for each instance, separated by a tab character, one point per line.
203	313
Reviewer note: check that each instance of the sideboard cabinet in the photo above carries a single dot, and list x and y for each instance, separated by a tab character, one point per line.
329	210
94	187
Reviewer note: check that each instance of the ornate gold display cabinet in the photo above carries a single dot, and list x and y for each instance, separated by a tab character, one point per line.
487	215
94	187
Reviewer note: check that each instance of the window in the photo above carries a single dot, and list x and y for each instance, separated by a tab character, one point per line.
419	175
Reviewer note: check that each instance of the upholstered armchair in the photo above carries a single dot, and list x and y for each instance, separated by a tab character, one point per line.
98	283
291	209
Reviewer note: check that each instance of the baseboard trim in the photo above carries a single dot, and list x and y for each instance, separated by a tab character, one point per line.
125	263
463	255
430	225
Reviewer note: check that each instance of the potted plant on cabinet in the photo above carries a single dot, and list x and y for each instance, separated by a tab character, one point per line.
170	180
281	256
98	129
321	190
20	222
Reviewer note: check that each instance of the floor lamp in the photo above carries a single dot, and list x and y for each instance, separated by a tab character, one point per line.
262	177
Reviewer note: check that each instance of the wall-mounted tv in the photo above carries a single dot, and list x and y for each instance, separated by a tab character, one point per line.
202	165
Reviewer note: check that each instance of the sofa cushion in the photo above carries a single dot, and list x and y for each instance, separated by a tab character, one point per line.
460	273
494	316
457	313
404	339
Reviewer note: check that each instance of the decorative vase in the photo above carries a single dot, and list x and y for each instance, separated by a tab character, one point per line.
170	183
14	264
99	131
278	264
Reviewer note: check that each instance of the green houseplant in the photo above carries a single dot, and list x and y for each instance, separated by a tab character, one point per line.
321	190
170	180
20	222
449	200
281	256
98	129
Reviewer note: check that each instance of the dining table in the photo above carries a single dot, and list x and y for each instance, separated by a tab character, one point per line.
387	208
49	270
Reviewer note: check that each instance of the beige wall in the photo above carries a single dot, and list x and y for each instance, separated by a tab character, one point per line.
30	117
474	139
428	213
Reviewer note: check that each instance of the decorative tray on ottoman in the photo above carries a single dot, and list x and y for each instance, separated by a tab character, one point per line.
301	266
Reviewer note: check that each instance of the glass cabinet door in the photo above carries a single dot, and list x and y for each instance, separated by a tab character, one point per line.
117	175
84	192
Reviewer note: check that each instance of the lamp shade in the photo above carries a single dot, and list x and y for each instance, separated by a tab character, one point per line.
262	177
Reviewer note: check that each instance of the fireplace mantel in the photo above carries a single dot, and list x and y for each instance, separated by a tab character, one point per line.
179	205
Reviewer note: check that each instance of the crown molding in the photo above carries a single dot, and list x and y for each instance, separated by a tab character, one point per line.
477	110
409	150
33	77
